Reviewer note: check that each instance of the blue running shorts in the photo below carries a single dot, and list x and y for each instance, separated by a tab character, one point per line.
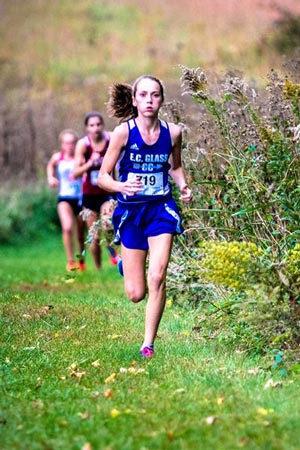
135	223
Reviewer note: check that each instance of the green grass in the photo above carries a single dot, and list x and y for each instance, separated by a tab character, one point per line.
55	363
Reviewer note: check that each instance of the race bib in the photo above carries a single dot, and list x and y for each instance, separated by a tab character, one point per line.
94	177
153	182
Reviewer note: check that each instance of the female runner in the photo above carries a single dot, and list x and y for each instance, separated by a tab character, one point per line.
146	151
96	202
60	175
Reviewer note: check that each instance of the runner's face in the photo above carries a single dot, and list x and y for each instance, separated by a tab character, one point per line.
68	143
148	98
94	127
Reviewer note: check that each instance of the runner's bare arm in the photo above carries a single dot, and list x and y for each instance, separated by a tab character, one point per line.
177	171
51	174
105	180
81	166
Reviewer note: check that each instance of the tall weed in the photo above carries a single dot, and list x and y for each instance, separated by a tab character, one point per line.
245	170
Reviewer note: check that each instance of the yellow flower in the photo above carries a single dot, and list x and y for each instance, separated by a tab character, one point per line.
264	412
114	413
220	400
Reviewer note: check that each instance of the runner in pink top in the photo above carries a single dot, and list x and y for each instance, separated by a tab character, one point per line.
90	186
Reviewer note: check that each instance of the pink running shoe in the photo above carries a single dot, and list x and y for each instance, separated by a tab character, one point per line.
113	255
147	352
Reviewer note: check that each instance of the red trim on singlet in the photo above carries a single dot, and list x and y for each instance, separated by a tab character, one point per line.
87	186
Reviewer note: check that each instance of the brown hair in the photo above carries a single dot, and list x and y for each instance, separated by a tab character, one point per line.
120	98
92	114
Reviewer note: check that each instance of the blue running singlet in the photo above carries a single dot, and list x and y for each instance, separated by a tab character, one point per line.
150	163
152	211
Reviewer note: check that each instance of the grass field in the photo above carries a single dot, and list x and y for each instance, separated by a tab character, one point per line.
71	376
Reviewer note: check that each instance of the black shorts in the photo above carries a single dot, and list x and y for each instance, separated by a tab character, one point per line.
75	204
94	201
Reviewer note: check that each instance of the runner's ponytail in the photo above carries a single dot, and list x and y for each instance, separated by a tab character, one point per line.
120	102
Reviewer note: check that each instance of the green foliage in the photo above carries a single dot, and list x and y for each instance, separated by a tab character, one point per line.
27	214
226	284
286	35
229	264
292	92
250	178
247	203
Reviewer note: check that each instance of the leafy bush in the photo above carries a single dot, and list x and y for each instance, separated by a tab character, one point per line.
229	264
27	214
286	34
245	169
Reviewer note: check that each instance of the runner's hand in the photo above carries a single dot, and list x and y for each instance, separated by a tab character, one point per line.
132	187
53	182
186	194
96	159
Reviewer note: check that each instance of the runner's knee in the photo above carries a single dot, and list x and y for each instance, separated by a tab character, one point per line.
135	295
156	278
67	229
